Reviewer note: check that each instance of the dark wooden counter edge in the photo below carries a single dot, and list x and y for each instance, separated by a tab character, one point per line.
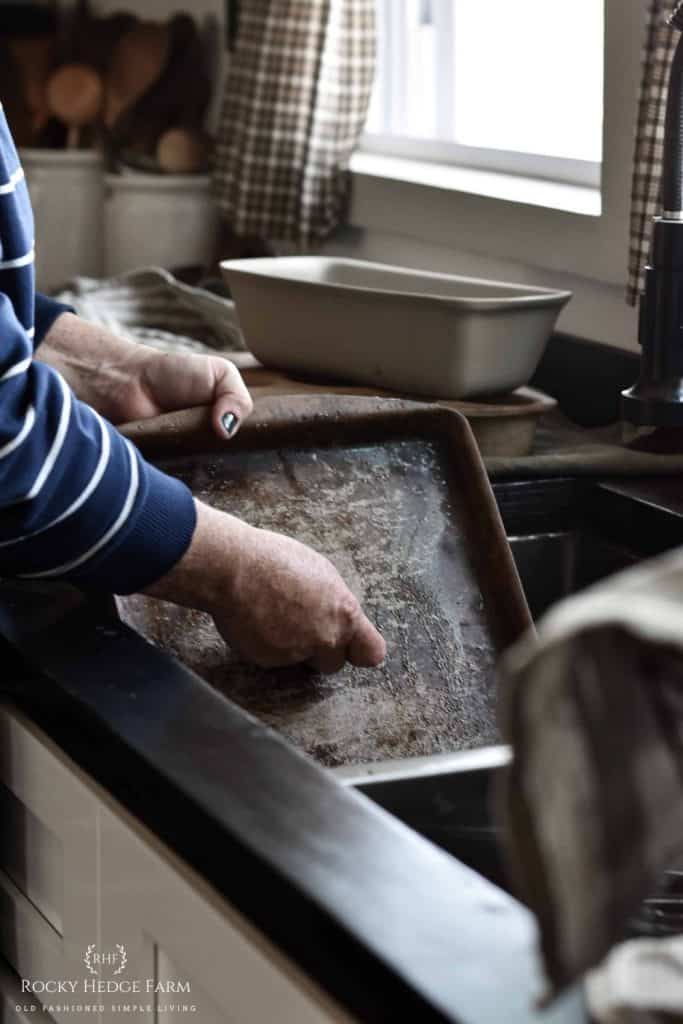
390	926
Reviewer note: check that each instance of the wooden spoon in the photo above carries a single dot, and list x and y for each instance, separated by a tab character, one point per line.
74	95
137	63
181	151
13	95
34	55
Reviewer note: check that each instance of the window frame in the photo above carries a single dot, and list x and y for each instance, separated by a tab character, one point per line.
530	165
455	227
583	173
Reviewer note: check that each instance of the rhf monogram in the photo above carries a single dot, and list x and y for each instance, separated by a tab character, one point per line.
95	960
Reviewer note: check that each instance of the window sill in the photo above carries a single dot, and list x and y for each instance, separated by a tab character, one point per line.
512	188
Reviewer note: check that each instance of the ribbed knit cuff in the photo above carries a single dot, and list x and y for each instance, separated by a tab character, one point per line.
158	538
46	312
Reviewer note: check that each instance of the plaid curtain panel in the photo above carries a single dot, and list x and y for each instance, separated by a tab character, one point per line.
296	99
660	43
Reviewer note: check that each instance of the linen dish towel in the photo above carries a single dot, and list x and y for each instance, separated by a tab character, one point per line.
593	802
152	306
641	982
563	449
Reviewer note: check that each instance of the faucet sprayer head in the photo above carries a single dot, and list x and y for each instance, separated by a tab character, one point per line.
676	18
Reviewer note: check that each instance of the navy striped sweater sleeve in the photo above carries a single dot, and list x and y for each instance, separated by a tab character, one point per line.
77	501
46	311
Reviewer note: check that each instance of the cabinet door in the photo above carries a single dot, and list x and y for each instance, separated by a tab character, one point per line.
203	952
15	1007
49	897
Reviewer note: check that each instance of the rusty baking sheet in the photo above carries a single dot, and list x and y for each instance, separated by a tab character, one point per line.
395	494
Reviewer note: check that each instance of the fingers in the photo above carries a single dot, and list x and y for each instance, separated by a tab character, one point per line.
367	648
269	659
365	651
255	652
287	605
232	402
327	662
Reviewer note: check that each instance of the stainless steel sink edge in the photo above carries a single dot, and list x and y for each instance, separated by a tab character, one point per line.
412	768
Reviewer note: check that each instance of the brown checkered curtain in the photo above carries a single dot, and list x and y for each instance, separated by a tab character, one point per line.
660	42
296	99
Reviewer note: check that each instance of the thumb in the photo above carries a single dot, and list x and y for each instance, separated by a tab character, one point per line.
232	402
366	648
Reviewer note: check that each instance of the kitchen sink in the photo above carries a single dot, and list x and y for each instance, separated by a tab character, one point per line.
447	798
565	536
566	552
569	534
556	564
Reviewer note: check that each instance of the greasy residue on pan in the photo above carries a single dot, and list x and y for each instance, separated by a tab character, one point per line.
391	522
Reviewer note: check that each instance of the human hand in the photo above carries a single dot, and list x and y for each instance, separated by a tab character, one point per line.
125	381
162	382
275	601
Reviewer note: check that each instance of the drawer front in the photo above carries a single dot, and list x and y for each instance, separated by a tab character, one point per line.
32	856
16	1007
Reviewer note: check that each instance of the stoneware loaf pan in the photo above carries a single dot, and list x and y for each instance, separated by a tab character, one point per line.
427	334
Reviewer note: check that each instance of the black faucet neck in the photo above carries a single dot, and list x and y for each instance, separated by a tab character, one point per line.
656	400
672	163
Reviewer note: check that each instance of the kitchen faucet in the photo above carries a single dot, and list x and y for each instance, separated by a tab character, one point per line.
656	400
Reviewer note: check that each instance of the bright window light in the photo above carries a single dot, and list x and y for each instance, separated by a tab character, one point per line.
528	76
515	86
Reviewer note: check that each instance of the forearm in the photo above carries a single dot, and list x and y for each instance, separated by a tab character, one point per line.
218	542
76	501
98	365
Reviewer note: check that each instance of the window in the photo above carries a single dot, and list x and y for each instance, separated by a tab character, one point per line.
508	86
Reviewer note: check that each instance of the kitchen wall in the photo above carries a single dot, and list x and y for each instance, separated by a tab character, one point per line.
598	310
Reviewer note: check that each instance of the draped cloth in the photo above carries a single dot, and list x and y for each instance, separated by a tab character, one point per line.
660	43
296	99
593	708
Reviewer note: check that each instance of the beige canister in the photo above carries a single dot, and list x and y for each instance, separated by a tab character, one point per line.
67	193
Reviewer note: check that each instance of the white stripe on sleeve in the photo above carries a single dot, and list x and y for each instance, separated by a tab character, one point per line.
20	261
105	450
17	369
29	420
128	504
10	186
57	444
